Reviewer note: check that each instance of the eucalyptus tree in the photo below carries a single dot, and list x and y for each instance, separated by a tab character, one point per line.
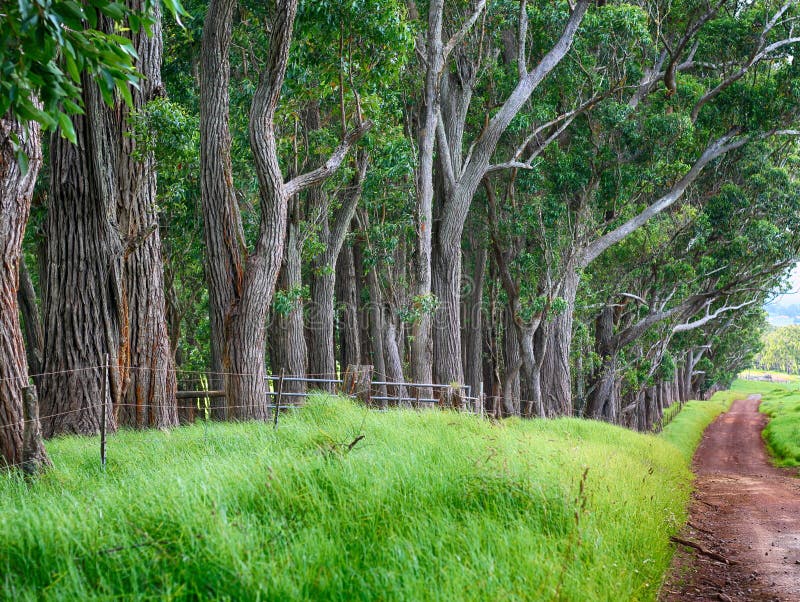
104	260
702	123
373	46
241	280
704	264
452	70
48	53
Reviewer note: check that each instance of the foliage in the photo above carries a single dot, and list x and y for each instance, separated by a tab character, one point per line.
49	49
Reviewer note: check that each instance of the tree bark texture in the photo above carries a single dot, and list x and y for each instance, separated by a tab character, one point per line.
347	298
149	396
31	320
16	191
222	225
83	300
291	354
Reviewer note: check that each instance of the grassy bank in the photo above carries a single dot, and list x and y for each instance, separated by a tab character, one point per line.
427	506
781	402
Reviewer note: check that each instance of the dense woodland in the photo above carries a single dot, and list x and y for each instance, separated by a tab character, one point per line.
577	207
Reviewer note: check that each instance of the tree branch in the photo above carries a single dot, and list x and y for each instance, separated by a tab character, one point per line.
461	33
715	149
710	316
319	175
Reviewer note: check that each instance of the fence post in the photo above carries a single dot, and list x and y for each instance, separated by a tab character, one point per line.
103	415
278	400
34	457
480	401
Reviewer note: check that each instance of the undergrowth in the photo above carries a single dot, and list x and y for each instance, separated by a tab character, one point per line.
426	506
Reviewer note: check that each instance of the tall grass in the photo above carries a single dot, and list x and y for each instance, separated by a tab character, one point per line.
427	506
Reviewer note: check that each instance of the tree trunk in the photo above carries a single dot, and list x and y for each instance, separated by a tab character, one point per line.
149	398
513	364
323	280
603	387
447	368
16	191
394	365
292	356
421	342
222	225
321	360
376	331
532	363
31	320
473	324
83	300
557	380
347	296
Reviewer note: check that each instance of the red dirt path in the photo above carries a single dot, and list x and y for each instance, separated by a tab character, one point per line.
743	509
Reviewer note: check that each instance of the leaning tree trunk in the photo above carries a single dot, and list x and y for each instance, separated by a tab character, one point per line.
83	300
149	396
16	190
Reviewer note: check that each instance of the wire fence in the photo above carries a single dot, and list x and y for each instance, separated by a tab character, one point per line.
276	398
282	393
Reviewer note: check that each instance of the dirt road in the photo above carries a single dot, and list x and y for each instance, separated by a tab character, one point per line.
745	518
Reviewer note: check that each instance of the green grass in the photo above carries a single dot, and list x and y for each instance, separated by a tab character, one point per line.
781	402
428	506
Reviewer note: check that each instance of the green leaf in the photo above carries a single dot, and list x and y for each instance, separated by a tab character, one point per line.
67	129
22	160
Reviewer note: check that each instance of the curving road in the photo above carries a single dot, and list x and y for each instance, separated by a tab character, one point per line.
744	510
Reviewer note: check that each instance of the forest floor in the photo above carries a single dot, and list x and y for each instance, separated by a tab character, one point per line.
744	518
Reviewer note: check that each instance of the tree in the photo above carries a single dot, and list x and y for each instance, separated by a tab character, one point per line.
242	283
45	49
16	190
102	234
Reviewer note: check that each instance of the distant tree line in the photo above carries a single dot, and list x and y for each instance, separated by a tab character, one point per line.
577	207
781	350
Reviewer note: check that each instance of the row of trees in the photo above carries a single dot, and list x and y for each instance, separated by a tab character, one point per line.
576	207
